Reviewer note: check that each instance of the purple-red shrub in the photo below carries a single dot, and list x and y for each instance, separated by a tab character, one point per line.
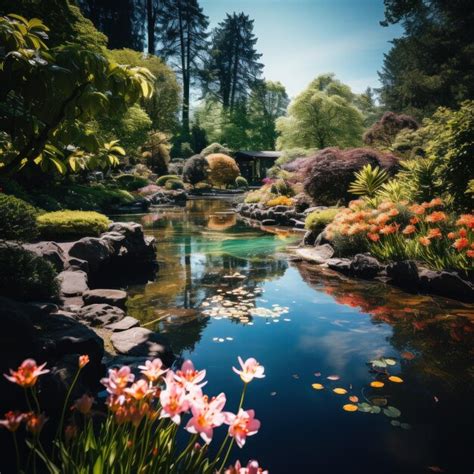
383	132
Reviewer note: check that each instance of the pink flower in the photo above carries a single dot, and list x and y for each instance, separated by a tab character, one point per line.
139	390
83	360
12	420
250	369
118	380
242	425
27	374
188	376
252	468
173	400
70	432
207	415
35	422
84	404
153	369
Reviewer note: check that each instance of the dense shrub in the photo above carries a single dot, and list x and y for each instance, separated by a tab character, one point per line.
24	275
203	186
283	188
173	184
318	220
383	132
215	148
156	152
328	174
161	181
17	219
241	182
90	198
186	150
222	169
195	169
67	224
131	182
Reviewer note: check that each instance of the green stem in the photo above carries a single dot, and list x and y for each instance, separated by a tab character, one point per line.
185	451
59	433
17	453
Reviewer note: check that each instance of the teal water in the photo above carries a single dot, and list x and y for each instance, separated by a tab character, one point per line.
305	324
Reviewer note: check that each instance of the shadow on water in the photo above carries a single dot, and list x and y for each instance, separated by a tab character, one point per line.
225	289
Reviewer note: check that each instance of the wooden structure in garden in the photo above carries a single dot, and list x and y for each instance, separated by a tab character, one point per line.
254	164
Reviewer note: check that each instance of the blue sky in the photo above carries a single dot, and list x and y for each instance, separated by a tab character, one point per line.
300	39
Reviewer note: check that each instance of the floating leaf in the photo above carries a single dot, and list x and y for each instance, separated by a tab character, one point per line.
380	402
340	391
379	363
333	377
390	361
395	423
408	355
317	386
353	399
273	394
350	407
395	379
364	407
296	376
375	410
405	426
376	384
392	412
317	374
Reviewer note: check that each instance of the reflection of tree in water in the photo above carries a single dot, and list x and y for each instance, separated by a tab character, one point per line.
440	332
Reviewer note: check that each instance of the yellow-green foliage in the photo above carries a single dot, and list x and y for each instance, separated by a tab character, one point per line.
280	201
67	224
318	220
222	169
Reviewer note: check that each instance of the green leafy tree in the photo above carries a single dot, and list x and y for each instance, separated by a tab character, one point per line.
323	115
49	97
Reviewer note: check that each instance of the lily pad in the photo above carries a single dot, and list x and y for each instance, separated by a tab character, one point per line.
395	423
364	407
392	412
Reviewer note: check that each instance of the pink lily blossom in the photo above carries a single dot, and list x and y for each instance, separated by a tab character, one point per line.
12	420
250	369
207	415
118	380
252	468
27	374
173	400
242	425
188	376
84	404
153	369
139	390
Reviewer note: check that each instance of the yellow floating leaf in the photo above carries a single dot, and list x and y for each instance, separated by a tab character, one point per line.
317	386
354	399
376	384
394	378
340	391
350	407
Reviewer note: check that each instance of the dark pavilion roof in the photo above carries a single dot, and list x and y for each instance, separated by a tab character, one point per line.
249	154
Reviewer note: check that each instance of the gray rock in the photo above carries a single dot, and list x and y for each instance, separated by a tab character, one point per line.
94	251
297	223
309	238
322	238
318	255
448	284
341	265
309	210
75	264
404	274
50	251
126	323
268	222
100	314
365	266
73	283
140	342
112	297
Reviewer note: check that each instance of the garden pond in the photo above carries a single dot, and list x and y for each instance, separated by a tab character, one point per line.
401	364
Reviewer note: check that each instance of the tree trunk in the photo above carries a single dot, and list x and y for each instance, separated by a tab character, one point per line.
151	18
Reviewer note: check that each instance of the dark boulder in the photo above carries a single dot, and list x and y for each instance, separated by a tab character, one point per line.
309	238
50	251
404	274
93	250
341	265
448	284
365	266
268	222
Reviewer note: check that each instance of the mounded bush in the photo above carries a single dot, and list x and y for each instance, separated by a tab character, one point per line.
91	198
280	201
161	181
24	275
196	169
215	148
241	182
223	170
328	174
318	220
17	219
173	184
68	224
131	182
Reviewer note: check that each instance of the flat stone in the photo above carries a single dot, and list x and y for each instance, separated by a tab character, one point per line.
268	222
73	283
320	254
112	297
100	314
341	265
75	264
123	325
140	342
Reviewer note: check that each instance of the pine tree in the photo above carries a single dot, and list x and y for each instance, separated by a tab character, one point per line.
182	37
233	67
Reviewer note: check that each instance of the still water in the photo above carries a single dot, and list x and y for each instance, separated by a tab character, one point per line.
304	325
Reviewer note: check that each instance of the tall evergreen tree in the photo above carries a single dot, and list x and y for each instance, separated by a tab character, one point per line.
233	67
182	37
433	63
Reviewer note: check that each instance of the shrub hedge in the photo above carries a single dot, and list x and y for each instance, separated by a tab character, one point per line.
131	182
172	184
17	219
318	220
161	181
